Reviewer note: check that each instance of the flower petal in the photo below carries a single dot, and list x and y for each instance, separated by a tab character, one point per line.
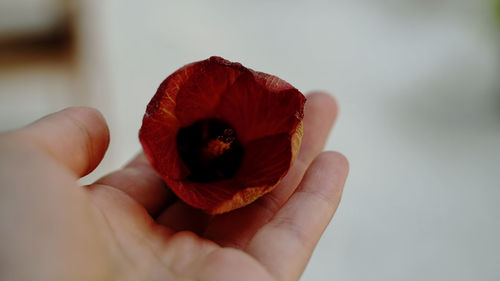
158	142
256	111
200	94
265	160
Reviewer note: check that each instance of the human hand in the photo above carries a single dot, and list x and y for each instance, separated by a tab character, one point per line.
129	226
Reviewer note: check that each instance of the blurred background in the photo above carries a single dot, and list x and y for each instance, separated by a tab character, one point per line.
418	83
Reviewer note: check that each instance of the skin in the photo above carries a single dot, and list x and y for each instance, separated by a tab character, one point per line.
129	226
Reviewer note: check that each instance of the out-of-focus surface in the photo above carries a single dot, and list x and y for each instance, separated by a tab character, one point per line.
417	82
35	59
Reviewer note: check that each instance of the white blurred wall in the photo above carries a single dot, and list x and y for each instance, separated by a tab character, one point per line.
417	82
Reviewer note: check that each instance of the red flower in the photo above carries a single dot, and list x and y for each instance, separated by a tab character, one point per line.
222	135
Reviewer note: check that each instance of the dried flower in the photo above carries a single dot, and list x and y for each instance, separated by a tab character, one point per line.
222	135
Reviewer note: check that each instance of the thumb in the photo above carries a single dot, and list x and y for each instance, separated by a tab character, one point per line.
76	137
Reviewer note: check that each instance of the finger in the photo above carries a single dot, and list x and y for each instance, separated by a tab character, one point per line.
76	137
141	182
236	228
323	110
125	217
285	244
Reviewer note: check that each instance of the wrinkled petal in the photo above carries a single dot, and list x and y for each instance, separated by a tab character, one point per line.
158	142
256	112
160	126
265	160
200	94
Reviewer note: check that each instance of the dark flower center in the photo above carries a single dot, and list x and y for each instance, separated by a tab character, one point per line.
210	149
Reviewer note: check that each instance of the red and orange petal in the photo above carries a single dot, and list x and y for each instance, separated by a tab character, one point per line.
265	112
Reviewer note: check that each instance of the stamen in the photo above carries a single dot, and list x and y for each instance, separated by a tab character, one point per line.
210	149
218	146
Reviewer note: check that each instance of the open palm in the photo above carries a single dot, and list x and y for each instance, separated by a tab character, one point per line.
130	226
